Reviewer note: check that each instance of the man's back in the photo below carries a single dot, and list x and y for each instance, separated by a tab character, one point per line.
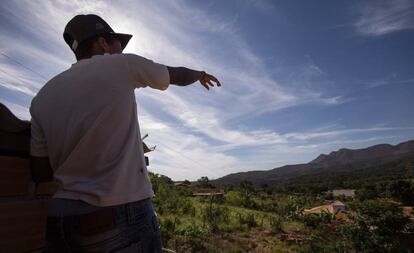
85	135
87	116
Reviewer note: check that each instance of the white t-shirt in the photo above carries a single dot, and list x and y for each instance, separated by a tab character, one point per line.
85	121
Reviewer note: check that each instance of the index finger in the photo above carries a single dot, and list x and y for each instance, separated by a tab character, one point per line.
215	80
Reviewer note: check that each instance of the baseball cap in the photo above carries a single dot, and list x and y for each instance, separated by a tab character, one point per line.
83	27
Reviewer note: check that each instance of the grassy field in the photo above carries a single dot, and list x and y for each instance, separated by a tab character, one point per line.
229	229
248	219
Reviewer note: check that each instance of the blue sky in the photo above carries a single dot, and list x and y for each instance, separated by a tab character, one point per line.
299	78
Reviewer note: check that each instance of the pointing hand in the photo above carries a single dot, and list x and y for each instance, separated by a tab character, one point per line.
208	80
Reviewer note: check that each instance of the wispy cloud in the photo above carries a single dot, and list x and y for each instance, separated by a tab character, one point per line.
181	154
21	112
384	82
17	79
385	16
163	35
206	120
197	133
341	132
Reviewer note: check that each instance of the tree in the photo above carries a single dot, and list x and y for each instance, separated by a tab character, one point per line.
246	191
403	191
409	169
375	227
368	191
167	198
205	182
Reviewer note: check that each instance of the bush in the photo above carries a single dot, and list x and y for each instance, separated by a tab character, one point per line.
168	228
312	220
275	223
233	198
247	219
187	207
193	231
376	227
213	215
403	190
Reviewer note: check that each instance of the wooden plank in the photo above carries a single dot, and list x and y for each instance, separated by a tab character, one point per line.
14	176
12	144
10	123
22	225
46	189
14	134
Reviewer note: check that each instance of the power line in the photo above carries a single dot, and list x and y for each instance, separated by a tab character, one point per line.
13	76
32	89
180	154
42	76
24	66
18	78
183	166
184	156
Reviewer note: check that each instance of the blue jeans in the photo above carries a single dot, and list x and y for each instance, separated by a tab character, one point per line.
135	229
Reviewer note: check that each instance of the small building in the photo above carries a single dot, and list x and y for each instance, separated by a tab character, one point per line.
332	208
217	196
207	194
408	211
338	206
348	193
319	210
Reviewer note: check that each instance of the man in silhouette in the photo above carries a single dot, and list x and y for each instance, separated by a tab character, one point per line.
86	137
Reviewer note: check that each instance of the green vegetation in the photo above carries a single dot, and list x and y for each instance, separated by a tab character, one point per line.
350	178
271	218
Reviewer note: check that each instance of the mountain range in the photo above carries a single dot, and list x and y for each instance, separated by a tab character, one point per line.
337	161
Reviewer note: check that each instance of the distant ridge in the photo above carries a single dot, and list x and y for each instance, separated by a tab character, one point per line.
377	152
341	160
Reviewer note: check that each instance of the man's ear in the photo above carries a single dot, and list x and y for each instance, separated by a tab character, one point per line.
103	45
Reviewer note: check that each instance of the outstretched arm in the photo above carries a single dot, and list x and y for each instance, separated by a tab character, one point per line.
182	76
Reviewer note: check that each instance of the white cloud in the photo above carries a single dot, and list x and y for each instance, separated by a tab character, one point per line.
206	138
384	82
17	79
205	120
19	111
378	18
180	154
341	132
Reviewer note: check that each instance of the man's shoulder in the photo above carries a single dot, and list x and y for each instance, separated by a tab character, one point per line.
49	86
110	57
119	57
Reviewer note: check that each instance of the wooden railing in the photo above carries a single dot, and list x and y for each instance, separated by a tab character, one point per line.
23	204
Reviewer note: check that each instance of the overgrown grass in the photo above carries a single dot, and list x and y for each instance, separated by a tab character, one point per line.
248	220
